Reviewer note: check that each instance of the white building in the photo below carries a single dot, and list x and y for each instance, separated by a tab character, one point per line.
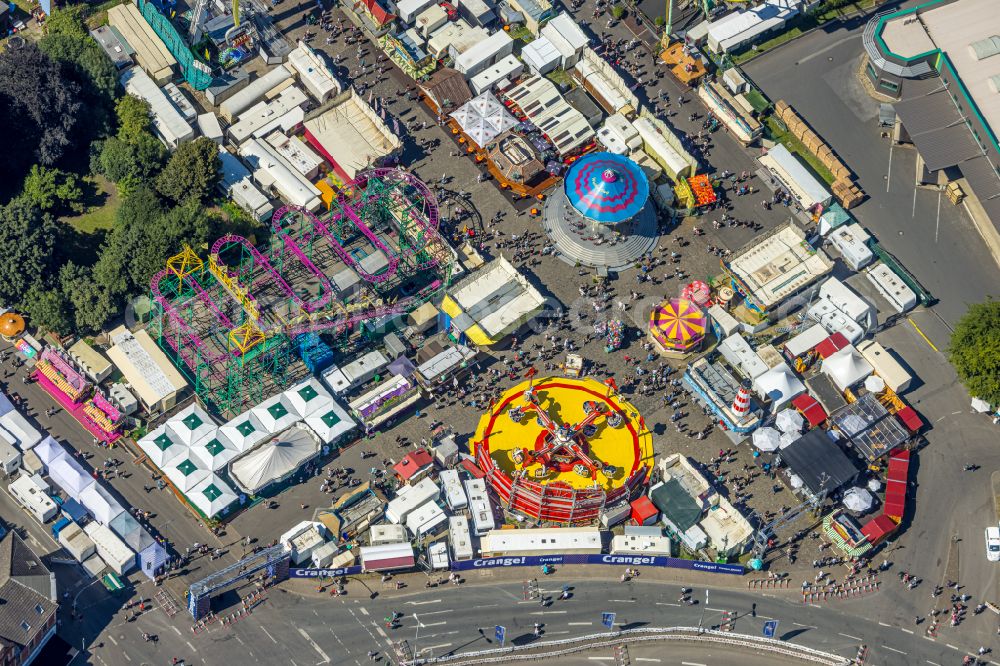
460	538
410	498
146	369
297	153
248	96
851	240
839	310
664	147
315	75
454	39
805	188
279	114
618	135
542	541
168	123
272	172
426	520
237	184
747	25
894	290
567	37
389	533
31	492
541	56
604	83
639	540
499	75
484	53
112	549
479	507
454	494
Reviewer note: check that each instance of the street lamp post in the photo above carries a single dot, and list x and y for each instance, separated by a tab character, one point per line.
701	621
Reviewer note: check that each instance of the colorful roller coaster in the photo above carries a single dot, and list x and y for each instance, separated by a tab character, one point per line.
229	323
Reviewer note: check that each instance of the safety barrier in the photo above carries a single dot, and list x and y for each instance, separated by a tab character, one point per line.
768	583
615	638
851	589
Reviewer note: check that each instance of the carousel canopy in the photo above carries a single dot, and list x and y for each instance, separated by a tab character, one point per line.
607	188
677	324
274	460
483	118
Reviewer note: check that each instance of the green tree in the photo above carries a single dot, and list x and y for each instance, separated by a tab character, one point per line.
191	172
91	302
136	248
47	309
28	240
53	190
131	162
617	11
134	117
68	21
975	350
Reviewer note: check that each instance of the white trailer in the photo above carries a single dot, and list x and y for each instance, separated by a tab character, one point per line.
31	492
119	557
76	542
479	507
409	499
461	539
454	494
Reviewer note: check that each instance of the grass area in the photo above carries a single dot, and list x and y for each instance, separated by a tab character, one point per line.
102	206
519	32
561	78
796	147
757	101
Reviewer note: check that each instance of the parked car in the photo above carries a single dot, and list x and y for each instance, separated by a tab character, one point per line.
993	544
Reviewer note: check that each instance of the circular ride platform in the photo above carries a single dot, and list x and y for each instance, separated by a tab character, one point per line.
563	438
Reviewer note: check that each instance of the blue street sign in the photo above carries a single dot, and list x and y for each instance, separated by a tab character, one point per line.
608	620
500	634
769	628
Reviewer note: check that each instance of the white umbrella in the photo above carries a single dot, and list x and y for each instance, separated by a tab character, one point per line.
858	499
766	439
874	485
795	481
789	420
980	405
787	438
874	384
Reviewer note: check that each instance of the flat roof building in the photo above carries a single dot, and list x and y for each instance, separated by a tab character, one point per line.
315	75
150	52
541	102
168	123
273	172
559	540
279	114
237	184
146	369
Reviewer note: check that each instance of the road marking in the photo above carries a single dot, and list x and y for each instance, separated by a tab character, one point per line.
112	639
893	649
717	610
580	624
555	633
487	606
264	629
240	640
914	213
190	646
126	655
176	629
937	222
691	663
921	333
853	638
797	624
664	603
432	624
326	659
883	624
647	659
364	611
909	631
435	612
435	647
423	603
952	646
888	173
604	659
622	601
933	663
546	613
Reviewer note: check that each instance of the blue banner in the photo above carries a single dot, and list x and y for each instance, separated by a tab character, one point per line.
324	573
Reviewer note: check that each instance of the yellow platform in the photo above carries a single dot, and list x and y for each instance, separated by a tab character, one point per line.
626	447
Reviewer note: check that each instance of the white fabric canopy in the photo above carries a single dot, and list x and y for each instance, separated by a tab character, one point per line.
101	505
779	385
874	384
244	431
858	499
980	405
846	367
789	420
68	475
191	425
275	414
160	446
766	439
874	485
214	453
186	471
212	496
483	118
309	397
49	450
787	438
795	481
274	460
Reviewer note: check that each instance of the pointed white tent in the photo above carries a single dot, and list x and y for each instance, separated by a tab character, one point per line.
160	446
846	367
787	438
275	414
309	397
49	450
186	472
766	439
244	432
191	425
275	460
778	385
789	420
68	475
858	499
100	503
214	452
483	118
212	495
331	424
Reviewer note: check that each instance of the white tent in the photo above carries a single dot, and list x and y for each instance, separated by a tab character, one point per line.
766	439
191	425
846	367
275	414
874	384
980	405
212	495
101	505
275	460
874	485
795	481
332	424
49	450
214	453
778	385
858	499
309	397
787	438
68	475
244	432
789	421
161	447
483	118
186	472
25	435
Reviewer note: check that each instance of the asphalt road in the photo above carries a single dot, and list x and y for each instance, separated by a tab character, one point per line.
818	75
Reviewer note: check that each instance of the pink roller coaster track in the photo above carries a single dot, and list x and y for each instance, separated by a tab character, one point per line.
260	260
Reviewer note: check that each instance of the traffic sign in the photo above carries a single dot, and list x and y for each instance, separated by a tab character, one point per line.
500	633
608	620
769	628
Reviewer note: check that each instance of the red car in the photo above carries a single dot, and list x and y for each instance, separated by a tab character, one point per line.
450	10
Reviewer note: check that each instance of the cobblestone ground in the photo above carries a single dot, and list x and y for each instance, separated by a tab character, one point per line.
582	297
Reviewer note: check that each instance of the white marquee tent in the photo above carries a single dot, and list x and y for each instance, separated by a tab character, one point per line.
186	472
846	367
212	495
49	450
779	385
161	447
275	413
766	439
244	431
483	118
101	505
309	397
275	460
68	475
191	425
214	453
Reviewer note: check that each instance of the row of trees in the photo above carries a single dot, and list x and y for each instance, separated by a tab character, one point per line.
62	95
